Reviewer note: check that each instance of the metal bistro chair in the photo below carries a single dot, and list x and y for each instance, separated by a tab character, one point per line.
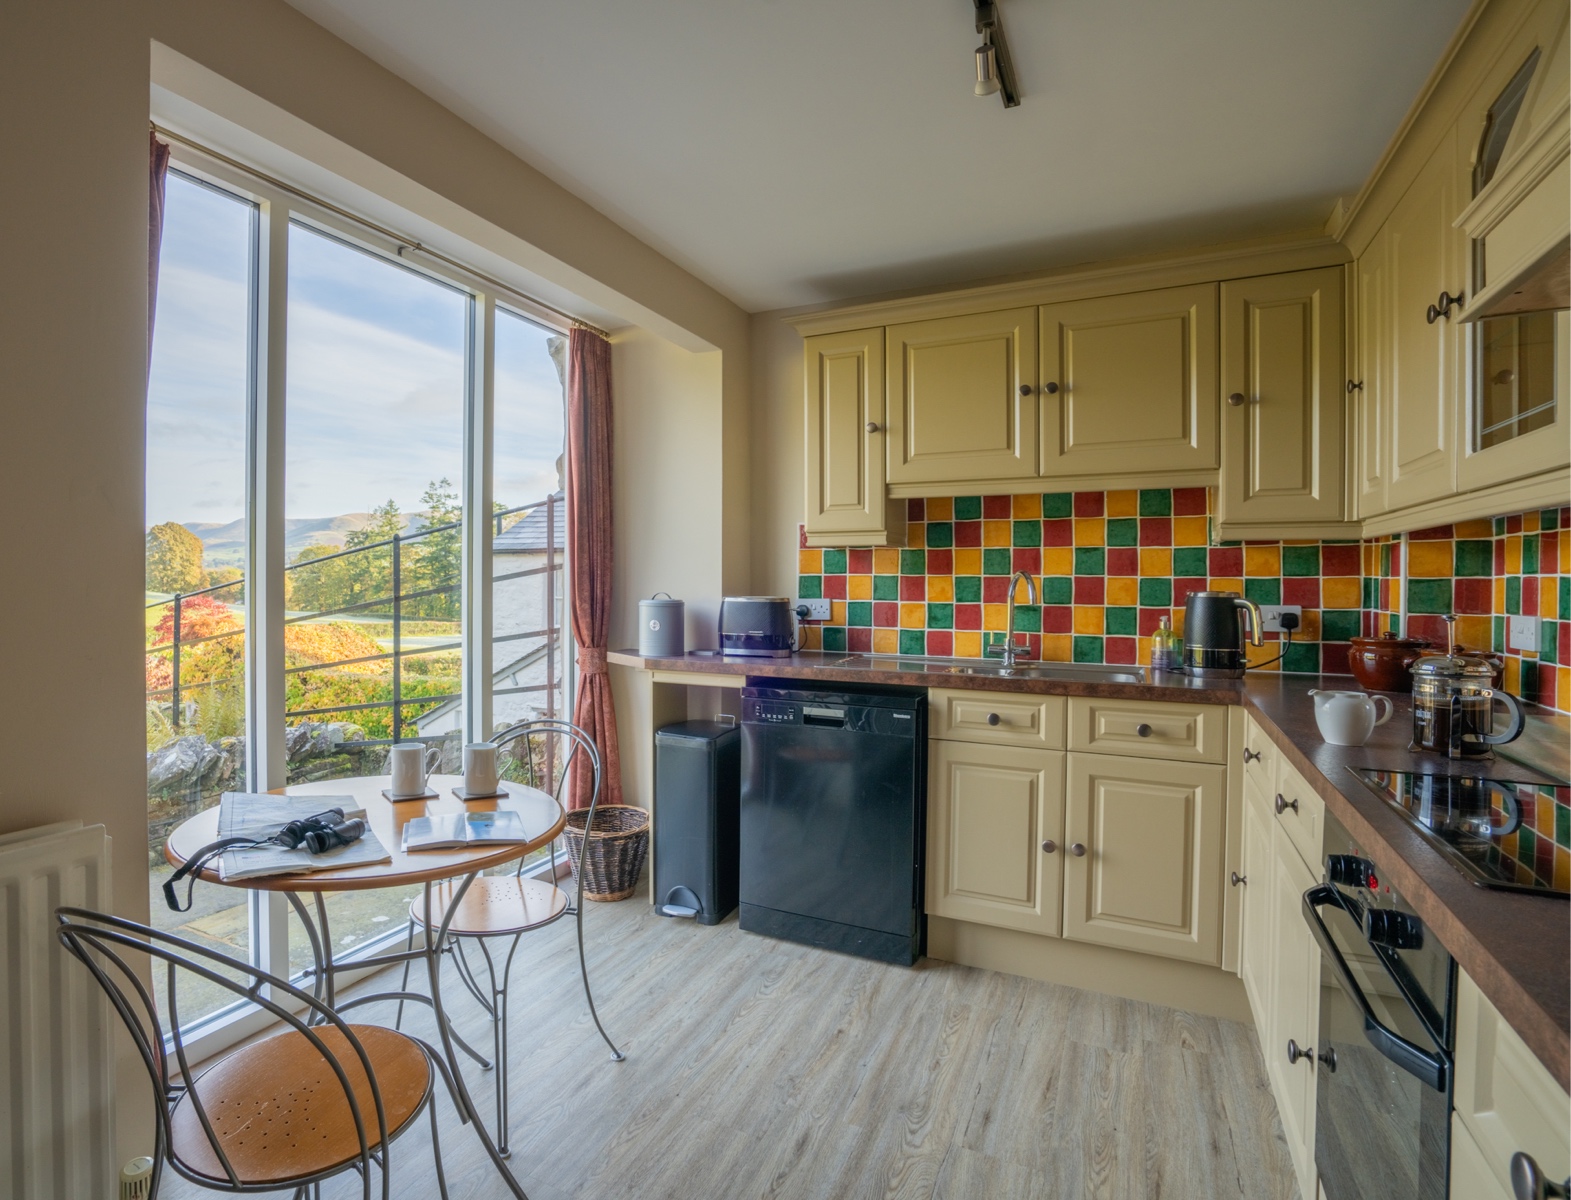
495	906
321	1099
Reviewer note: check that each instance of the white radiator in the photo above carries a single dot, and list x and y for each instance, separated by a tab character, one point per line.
57	1052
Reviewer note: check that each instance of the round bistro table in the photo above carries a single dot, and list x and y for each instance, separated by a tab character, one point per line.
543	819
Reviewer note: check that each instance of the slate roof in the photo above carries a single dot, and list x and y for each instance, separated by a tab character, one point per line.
529	535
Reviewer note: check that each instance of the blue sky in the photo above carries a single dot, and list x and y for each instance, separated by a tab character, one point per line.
375	376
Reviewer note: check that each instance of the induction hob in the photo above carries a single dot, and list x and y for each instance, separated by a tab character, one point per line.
1508	835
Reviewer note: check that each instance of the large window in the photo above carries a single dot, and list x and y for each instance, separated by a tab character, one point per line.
326	499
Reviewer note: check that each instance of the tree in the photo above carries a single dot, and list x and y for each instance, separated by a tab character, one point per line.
174	559
440	553
321	588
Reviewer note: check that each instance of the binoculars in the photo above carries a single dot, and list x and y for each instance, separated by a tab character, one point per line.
322	832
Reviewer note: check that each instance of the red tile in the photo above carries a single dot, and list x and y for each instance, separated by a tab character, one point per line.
1385	595
1151	620
995	589
1546	687
1333	657
940	562
886	614
1123	560
1301	591
1436	533
1058	618
1530	594
1563	650
1549	555
968	616
834	587
1227	561
996	508
1090	589
1473	595
1027	559
1370	620
1033	645
1189	502
915	510
859	640
1500	556
1427	625
1340	560
1090	504
1514	523
1155	531
1120	650
940	641
859	562
913	587
801	537
1182	588
1058	532
968	533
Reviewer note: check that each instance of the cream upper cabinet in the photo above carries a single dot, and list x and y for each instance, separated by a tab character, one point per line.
1370	379
1130	384
995	824
962	400
846	496
1144	864
1283	396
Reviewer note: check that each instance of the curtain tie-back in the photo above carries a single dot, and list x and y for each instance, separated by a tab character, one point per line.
592	660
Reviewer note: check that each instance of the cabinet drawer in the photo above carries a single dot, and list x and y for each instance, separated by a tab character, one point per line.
1148	729
1301	813
1471	1176
997	718
1259	757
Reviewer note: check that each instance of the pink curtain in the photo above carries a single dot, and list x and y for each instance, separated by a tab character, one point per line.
589	554
158	167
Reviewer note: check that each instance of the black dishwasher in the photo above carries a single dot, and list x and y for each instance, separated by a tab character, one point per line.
833	818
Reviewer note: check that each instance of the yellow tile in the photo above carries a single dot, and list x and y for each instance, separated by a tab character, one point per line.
859	587
1514	554
1143	652
1396	596
1371	559
1156	561
1547	600
810	562
1256	656
968	562
886	561
995	617
1058	560
1513	680
886	641
940	508
1226	585
1563	689
1123	504
1057	647
1562	869
1026	508
1500	596
913	616
1530	522
1475	631
1262	561
1177	621
1088	618
1190	531
837	612
811	638
916	535
995	533
1475	529
1544	818
1337	591
968	644
1309	631
1122	590
941	587
1090	531
1429	560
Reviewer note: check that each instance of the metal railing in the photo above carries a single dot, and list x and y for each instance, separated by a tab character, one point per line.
394	604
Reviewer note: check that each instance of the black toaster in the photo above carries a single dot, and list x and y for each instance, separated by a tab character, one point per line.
756	625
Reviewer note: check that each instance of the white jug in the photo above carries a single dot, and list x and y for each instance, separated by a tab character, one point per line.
1348	718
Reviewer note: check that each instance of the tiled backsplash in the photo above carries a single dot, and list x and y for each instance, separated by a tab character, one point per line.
1111	564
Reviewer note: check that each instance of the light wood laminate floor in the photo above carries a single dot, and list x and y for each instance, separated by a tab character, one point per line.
759	1068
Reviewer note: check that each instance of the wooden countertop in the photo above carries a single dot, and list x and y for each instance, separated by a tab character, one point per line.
1516	947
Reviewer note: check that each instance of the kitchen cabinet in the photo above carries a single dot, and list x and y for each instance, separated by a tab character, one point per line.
1292	1027
961	399
847	500
1370	382
1130	384
1471	1176
1301	813
1254	956
1149	729
1144	865
1283	397
1031	721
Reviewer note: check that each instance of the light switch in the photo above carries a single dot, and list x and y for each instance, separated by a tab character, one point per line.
1522	633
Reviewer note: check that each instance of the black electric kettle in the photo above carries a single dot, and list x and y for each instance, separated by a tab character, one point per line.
1214	633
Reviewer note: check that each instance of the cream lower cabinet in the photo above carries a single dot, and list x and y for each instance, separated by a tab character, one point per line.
1254	965
1144	867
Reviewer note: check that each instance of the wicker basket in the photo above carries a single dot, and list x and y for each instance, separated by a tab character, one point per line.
617	846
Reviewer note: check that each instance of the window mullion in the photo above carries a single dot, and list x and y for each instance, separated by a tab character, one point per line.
476	612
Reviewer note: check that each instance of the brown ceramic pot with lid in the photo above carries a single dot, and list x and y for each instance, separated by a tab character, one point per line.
1385	663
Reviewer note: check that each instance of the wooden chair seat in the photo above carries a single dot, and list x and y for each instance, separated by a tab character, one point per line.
494	905
280	1112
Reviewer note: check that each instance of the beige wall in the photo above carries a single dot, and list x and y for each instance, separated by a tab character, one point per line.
777	399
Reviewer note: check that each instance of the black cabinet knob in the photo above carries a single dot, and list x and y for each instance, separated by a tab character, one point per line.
993	718
1078	850
1294	1053
1142	730
1528	1182
1283	804
1236	399
1251	755
1050	388
1240	879
1025	389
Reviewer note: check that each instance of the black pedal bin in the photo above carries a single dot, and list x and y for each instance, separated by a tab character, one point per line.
698	783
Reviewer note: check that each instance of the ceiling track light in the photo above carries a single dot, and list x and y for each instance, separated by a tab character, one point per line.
995	71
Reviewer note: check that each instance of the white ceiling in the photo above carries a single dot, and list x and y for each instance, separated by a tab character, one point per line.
791	152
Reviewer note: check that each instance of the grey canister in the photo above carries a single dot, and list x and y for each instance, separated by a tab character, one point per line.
660	627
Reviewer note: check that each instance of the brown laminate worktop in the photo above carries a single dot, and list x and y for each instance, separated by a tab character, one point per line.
1516	947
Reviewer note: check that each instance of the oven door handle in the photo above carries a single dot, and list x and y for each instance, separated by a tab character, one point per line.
1428	1066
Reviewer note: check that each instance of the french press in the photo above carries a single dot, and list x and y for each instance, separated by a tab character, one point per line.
1454	703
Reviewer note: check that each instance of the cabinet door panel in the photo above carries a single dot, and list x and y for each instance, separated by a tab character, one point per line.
1255	947
1282	447
1151	875
1137	379
990	808
956	410
1372	380
1295	991
845	461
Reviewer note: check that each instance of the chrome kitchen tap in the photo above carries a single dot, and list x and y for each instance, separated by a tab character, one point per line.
1007	654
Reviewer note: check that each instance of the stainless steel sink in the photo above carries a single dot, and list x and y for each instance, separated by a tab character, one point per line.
1083	672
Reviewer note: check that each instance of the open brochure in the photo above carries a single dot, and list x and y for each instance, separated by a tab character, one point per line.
451	831
262	814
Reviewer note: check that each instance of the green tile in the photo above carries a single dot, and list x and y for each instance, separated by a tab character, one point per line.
1058	504
1300	560
1303	657
1190	562
1339	625
859	614
834	639
995	561
810	587
1090	560
834	562
1156	502
1498	642
1530	554
1058	589
1123	531
1547	633
1530	677
940	615
913	641
940	535
1028	618
1371	592
968	508
1121	622
968	589
1513	597
1565	592
1156	592
913	562
1429	595
1263	591
1500	527
1027	533
1385	560
886	587
1526	844
1475	558
1087	648
1562	822
1549	519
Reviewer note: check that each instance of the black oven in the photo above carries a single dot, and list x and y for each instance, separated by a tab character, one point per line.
1384	1058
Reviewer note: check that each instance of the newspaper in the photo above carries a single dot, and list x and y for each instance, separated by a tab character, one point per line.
262	814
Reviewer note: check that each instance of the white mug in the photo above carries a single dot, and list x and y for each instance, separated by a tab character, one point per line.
480	768
1348	718
409	763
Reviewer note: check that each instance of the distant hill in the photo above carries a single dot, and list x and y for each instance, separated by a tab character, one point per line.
223	542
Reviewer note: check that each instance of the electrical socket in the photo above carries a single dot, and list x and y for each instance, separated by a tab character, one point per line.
1271	616
1522	633
817	610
